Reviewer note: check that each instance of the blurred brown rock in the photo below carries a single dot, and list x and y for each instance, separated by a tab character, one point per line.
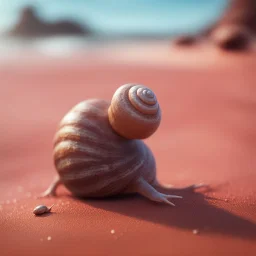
185	40
30	25
239	12
231	37
236	27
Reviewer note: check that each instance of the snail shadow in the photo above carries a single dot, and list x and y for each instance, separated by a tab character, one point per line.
194	211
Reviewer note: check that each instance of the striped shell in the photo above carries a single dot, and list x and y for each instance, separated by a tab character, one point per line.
92	160
134	112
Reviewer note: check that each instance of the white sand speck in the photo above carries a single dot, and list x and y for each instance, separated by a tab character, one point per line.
195	231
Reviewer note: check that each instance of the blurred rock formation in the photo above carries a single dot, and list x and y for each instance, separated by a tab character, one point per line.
30	25
235	29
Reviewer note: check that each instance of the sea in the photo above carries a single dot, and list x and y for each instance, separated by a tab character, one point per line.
113	19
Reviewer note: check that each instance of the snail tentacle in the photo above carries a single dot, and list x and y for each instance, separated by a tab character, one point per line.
168	188
143	188
51	190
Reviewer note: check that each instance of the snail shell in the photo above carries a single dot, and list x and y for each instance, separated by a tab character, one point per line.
97	151
134	112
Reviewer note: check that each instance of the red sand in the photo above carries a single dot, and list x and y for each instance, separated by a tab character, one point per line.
208	134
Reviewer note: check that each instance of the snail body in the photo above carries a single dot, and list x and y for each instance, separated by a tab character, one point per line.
98	151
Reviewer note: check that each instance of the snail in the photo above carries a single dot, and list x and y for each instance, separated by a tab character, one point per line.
41	209
98	147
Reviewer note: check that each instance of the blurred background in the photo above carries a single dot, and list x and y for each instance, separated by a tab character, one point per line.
78	23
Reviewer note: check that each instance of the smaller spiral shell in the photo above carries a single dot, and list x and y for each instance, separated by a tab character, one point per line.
41	209
134	112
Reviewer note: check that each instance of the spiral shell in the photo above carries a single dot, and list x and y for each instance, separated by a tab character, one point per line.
92	160
134	112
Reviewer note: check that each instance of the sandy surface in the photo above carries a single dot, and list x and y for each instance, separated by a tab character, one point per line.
208	134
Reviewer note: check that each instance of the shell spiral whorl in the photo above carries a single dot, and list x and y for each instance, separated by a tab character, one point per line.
134	112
